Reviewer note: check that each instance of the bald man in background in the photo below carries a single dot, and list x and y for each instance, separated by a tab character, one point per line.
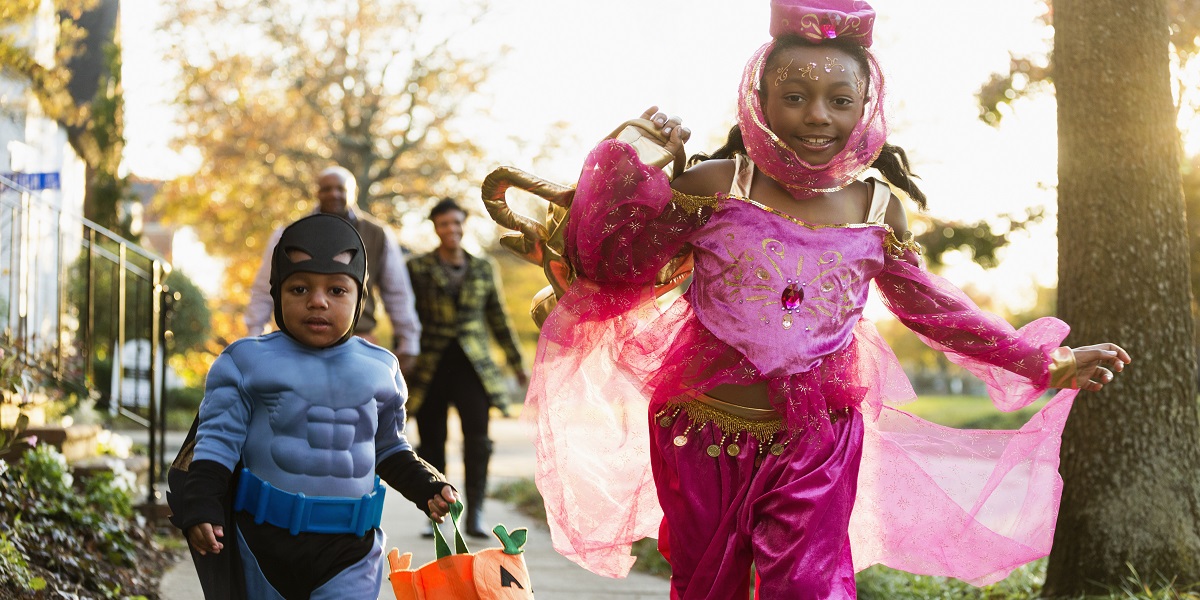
387	276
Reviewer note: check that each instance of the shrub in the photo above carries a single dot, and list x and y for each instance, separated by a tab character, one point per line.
65	538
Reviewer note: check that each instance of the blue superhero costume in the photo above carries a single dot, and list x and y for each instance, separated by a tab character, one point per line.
315	429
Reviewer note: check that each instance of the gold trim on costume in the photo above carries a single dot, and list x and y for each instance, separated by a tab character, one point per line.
802	222
766	425
896	248
782	73
692	203
699	414
763	424
1063	368
762	428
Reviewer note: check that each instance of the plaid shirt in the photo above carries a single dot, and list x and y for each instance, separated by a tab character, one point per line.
466	319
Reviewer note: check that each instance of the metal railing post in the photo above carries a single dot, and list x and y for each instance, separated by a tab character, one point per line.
89	312
155	402
119	338
61	304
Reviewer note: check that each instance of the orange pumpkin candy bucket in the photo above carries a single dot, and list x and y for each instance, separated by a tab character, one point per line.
491	574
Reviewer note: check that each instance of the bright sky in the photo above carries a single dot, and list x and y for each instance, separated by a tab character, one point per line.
595	64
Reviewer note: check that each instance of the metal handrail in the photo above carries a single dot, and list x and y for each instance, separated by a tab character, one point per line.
26	223
90	224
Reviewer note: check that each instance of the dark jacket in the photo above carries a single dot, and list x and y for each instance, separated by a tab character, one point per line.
466	319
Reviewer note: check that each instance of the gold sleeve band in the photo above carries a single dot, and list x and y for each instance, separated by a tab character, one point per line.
1062	368
896	248
692	204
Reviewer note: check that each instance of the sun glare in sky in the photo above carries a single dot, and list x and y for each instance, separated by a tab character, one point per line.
588	66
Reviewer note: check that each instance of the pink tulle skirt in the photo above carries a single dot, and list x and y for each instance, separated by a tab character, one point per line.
930	499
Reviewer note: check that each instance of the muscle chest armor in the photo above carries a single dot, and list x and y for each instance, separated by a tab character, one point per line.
314	414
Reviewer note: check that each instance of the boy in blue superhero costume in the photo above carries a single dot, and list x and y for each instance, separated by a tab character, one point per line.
316	416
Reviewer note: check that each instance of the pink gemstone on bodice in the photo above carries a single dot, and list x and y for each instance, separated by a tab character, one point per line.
792	297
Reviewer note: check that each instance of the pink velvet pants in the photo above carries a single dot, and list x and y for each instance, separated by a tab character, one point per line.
788	514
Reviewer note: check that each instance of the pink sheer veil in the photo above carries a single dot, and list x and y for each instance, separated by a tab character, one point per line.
781	163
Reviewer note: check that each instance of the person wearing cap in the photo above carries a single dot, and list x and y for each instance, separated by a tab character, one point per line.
315	417
387	283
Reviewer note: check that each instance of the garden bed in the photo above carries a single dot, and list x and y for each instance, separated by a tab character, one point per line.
68	537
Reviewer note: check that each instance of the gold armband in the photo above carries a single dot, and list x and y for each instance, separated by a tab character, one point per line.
1062	368
896	248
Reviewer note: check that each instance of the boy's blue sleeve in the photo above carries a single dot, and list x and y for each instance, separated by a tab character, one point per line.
389	437
224	414
395	461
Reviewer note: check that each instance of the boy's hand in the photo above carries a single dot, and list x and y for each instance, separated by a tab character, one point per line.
203	538
439	505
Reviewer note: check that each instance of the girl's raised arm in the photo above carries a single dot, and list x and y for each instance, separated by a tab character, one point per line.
626	222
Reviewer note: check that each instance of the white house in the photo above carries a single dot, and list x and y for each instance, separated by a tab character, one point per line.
50	180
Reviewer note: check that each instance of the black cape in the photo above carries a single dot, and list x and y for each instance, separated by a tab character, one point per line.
221	575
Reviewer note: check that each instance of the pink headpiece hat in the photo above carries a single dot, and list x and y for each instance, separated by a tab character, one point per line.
822	19
816	21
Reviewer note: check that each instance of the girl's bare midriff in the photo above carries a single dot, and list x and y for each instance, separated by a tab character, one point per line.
747	396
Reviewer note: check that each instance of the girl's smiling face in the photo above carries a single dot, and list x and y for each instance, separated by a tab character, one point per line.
814	97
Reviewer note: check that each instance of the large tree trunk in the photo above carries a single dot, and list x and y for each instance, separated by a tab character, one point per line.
1130	457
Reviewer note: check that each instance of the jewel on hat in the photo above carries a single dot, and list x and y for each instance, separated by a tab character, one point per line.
819	20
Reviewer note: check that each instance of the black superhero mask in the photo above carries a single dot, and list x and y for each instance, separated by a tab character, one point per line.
322	237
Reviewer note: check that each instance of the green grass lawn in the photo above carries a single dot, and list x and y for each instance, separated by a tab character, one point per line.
969	412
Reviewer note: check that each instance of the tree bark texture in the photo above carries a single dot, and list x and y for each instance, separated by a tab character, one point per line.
1130	455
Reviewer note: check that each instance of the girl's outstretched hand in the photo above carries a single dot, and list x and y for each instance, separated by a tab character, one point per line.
672	128
1097	365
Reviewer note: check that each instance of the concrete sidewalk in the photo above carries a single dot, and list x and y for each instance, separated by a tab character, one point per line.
553	576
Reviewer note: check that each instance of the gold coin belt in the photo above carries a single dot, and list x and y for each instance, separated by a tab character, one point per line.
771	436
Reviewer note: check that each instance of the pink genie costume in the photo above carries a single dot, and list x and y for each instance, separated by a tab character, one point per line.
837	477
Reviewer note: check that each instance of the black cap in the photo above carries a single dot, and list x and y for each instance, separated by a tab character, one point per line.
322	237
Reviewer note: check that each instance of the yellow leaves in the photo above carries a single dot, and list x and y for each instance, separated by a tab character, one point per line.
315	83
48	82
74	8
16	11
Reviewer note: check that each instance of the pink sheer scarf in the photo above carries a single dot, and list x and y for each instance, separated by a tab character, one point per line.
781	163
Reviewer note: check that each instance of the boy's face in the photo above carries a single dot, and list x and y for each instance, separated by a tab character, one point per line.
318	308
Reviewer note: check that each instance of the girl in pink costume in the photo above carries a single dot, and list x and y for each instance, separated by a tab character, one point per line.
775	437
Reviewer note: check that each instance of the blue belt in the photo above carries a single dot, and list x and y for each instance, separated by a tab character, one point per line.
313	514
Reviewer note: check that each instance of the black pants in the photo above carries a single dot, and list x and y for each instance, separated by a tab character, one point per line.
455	382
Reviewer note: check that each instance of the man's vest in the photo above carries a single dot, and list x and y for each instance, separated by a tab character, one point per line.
375	241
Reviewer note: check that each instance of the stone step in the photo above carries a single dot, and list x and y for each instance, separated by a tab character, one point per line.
136	464
76	442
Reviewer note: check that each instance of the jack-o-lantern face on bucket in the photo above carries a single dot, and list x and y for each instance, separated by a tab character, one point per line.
501	576
492	574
